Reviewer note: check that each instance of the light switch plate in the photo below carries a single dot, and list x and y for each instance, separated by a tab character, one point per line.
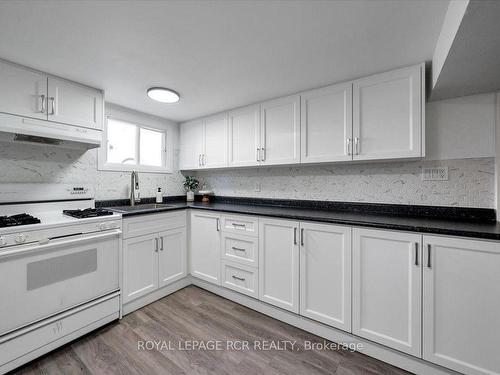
435	174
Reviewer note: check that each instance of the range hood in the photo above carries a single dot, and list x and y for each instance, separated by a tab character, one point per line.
23	129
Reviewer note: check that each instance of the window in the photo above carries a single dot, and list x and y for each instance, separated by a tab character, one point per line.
128	146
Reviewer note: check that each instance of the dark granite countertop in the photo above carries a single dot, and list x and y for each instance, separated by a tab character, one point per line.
464	222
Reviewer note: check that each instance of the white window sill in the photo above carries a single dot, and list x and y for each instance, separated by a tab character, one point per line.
129	168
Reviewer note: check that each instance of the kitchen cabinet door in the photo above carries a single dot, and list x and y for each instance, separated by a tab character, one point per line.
280	131
140	266
325	274
205	246
74	104
215	150
462	304
191	145
387	286
279	263
23	91
388	119
326	126
172	256
244	136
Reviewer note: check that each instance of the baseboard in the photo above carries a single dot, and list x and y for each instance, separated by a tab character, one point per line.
371	349
127	308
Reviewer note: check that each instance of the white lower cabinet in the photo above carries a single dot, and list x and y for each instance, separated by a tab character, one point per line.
387	287
279	263
462	304
140	271
153	260
325	274
205	246
172	256
243	279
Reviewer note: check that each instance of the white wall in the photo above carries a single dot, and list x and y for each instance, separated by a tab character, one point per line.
497	159
41	163
461	128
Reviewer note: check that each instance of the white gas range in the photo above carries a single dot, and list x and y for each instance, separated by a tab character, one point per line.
59	270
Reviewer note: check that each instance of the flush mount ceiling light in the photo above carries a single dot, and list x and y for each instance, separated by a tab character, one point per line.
164	95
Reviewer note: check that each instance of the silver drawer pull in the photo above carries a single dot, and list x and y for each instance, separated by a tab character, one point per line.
238	278
238	225
238	248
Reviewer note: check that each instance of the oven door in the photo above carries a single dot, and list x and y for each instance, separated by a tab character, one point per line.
37	281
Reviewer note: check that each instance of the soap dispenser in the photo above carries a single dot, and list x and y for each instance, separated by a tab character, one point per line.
159	196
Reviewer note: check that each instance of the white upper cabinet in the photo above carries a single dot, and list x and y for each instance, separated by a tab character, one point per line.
191	145
388	115
23	92
325	274
279	263
462	304
71	103
326	126
244	136
387	286
280	131
378	117
215	142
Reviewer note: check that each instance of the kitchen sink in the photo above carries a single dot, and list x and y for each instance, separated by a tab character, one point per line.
142	207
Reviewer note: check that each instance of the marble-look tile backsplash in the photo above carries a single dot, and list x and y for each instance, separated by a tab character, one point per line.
470	184
49	164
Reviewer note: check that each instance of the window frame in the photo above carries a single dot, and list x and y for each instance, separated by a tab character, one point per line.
102	156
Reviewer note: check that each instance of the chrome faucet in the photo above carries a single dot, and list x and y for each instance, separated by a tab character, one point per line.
135	196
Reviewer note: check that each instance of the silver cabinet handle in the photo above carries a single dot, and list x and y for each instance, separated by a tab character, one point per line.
238	278
258	154
52	105
302	236
42	98
238	225
429	256
161	243
295	236
356	145
237	248
156	244
416	253
263	155
349	140
218	226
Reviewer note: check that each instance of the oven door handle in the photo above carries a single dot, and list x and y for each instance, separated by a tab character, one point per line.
54	244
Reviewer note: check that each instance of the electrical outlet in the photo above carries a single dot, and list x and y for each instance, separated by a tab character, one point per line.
435	174
257	186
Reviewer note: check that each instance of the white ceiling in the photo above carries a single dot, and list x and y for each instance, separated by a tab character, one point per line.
216	54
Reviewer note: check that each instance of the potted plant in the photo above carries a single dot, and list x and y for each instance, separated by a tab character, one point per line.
190	184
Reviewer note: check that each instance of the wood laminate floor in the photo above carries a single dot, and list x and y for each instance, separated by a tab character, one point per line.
193	315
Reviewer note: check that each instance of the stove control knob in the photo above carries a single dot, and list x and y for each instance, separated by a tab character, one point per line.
20	238
102	226
3	241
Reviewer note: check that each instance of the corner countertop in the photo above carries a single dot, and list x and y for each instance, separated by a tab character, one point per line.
483	229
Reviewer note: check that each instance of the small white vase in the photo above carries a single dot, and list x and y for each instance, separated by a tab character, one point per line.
190	196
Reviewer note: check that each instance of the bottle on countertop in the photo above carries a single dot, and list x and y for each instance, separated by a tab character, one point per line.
159	196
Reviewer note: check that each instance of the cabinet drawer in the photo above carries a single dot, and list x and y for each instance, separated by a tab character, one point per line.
247	225
241	249
240	278
152	223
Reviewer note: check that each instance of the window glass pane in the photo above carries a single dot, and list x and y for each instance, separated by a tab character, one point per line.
151	147
121	142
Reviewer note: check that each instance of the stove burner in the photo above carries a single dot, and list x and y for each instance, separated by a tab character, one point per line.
88	212
14	220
